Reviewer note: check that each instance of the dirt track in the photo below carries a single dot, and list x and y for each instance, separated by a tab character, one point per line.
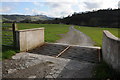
75	37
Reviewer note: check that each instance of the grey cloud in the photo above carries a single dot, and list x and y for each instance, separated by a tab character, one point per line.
57	4
64	13
90	5
119	4
52	4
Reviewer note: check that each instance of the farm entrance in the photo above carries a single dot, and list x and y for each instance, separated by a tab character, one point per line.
8	34
69	52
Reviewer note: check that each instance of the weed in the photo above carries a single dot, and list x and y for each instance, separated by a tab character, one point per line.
105	71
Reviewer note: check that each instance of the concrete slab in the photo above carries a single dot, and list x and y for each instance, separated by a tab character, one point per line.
56	67
76	62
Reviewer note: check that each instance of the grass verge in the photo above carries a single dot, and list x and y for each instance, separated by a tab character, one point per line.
104	71
96	33
8	52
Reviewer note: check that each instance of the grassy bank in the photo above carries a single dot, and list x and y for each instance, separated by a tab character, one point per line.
96	33
52	33
104	71
8	51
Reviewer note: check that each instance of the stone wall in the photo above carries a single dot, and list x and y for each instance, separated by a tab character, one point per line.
111	50
29	38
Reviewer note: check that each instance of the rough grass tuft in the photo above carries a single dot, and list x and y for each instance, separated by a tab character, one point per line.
103	70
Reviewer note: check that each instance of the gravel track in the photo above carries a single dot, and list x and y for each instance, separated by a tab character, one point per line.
75	37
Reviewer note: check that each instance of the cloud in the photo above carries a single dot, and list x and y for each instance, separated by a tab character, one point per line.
36	3
53	4
119	4
109	4
34	11
58	8
22	0
90	5
8	7
26	9
5	9
62	1
54	9
38	0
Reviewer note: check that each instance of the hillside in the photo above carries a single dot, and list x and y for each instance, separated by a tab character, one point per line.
18	18
105	18
100	18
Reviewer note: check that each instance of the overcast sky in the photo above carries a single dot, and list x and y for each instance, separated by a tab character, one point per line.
54	8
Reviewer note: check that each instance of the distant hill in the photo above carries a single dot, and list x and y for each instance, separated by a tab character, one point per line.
99	18
18	18
102	18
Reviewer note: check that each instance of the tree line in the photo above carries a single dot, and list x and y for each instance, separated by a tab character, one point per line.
100	18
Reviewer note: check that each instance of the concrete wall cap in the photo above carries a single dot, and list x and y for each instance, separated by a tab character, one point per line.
110	35
33	29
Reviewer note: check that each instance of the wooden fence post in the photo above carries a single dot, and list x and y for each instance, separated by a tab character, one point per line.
14	28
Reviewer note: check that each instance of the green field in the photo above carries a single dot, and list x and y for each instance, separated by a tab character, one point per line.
96	33
52	31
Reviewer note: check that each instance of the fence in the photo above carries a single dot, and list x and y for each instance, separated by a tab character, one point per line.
8	34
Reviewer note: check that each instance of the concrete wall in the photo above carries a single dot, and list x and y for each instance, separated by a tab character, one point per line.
111	50
29	38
